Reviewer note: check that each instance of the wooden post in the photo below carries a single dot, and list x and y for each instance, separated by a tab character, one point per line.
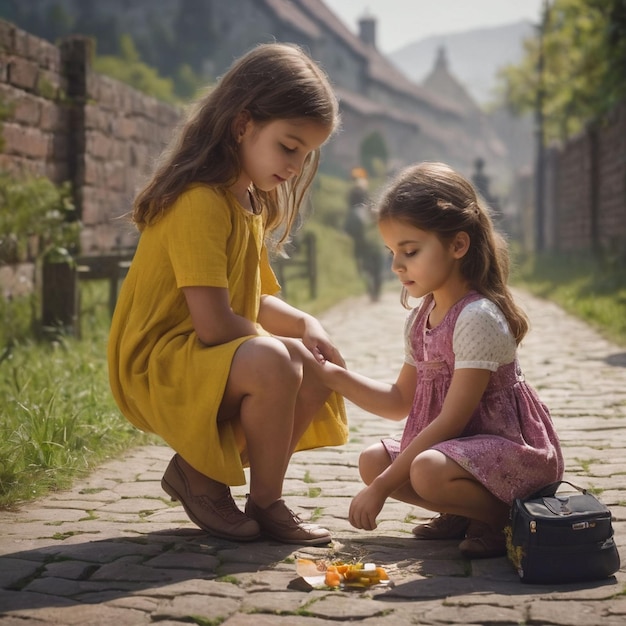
59	298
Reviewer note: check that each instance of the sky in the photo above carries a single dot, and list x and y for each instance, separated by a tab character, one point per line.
401	22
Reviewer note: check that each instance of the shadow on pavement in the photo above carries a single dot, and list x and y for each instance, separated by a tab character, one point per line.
186	562
616	360
91	571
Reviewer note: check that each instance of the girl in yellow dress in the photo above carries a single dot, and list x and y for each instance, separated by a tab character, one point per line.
202	351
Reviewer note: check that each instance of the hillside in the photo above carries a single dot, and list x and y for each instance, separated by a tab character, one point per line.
474	56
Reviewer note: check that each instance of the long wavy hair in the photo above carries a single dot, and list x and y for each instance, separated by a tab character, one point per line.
271	82
435	198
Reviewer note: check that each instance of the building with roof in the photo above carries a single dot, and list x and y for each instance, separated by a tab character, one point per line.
416	122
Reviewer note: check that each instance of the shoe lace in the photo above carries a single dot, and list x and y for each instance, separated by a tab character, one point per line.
295	517
224	506
296	520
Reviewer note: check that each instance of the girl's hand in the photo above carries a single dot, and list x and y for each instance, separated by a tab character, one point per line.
320	345
283	320
365	506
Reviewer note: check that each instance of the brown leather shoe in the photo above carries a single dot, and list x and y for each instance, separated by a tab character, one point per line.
444	526
281	523
218	516
482	542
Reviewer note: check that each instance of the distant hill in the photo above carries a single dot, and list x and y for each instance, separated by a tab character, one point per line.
474	56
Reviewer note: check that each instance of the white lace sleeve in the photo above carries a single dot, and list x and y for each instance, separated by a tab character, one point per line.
408	327
482	338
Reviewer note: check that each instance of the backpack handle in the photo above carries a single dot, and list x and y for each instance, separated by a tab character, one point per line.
552	488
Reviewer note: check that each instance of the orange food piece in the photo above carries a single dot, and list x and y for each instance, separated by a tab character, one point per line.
382	574
353	575
332	577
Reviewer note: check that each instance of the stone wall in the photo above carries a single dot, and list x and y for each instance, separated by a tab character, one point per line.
586	198
32	85
70	124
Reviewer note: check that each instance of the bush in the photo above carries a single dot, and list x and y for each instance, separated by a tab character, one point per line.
37	220
57	415
593	291
330	201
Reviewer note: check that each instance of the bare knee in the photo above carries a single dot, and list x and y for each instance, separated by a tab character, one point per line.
372	462
426	474
264	365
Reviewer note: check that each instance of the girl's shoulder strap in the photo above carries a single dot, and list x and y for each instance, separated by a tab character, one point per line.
468	298
421	313
453	314
423	308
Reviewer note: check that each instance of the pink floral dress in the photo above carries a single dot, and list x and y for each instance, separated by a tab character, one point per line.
510	444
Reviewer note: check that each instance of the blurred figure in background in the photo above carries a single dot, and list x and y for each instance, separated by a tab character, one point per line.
360	226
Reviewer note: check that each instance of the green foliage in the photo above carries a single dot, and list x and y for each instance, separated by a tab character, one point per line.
17	314
187	83
37	218
584	66
615	46
374	154
57	416
330	201
593	291
336	269
129	69
37	222
166	61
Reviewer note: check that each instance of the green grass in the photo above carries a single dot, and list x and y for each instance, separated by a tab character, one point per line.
57	417
591	290
337	272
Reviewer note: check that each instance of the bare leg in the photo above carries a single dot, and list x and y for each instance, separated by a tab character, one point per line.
438	484
262	391
312	392
446	487
373	461
266	392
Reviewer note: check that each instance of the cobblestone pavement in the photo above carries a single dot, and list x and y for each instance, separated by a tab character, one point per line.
114	551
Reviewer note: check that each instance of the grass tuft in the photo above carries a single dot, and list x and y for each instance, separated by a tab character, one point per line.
58	419
592	290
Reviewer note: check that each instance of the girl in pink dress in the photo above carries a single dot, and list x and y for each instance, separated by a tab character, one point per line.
477	436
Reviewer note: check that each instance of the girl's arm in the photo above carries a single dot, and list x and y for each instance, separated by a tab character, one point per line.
389	400
465	391
282	319
213	319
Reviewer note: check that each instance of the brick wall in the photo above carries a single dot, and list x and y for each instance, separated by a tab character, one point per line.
612	183
572	196
586	202
68	123
32	84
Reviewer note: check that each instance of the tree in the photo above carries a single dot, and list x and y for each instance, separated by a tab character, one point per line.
582	46
129	69
374	153
187	84
616	47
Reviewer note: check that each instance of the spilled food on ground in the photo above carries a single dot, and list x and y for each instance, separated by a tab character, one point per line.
339	574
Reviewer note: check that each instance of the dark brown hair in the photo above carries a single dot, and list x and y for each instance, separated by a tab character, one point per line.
271	82
435	198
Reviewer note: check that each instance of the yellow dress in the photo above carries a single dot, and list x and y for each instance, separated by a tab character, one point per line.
162	378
